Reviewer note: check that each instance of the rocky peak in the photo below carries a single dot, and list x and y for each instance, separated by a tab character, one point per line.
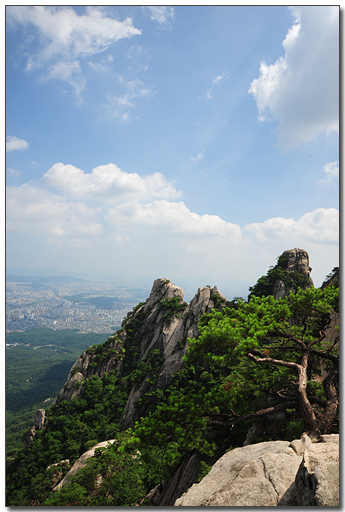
163	289
298	259
156	333
295	260
169	324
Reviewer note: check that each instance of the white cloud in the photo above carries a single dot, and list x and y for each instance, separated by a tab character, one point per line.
63	33
300	90
35	210
14	172
98	66
69	72
162	14
14	144
332	172
321	226
173	218
118	105
198	158
109	183
219	78
65	38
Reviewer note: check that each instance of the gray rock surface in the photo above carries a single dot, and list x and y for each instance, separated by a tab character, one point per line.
30	437
271	474
317	479
167	334
81	462
297	259
300	445
39	419
247	476
279	290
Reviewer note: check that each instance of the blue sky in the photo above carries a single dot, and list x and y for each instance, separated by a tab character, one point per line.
182	142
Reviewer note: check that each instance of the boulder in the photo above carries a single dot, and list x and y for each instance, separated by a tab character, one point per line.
317	480
248	477
276	473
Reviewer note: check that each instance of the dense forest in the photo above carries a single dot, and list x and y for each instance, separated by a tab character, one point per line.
36	370
261	365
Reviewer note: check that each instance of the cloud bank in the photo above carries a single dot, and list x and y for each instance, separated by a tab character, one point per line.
68	204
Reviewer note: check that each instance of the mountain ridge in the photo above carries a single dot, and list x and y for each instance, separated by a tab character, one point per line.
132	376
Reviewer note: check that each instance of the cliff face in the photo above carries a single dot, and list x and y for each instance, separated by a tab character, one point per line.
154	334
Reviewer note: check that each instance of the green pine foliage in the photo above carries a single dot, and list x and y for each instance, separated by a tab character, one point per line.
291	278
208	407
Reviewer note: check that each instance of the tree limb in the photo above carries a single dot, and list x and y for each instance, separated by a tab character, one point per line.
315	400
263	412
325	355
321	337
270	360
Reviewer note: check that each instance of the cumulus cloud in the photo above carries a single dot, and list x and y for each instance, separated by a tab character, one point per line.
14	144
172	217
108	182
65	38
162	14
332	172
321	225
33	209
300	90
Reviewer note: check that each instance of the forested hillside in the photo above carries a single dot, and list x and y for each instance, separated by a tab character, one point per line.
37	362
179	385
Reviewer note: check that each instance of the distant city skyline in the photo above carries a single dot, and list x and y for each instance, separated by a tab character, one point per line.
90	307
188	142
